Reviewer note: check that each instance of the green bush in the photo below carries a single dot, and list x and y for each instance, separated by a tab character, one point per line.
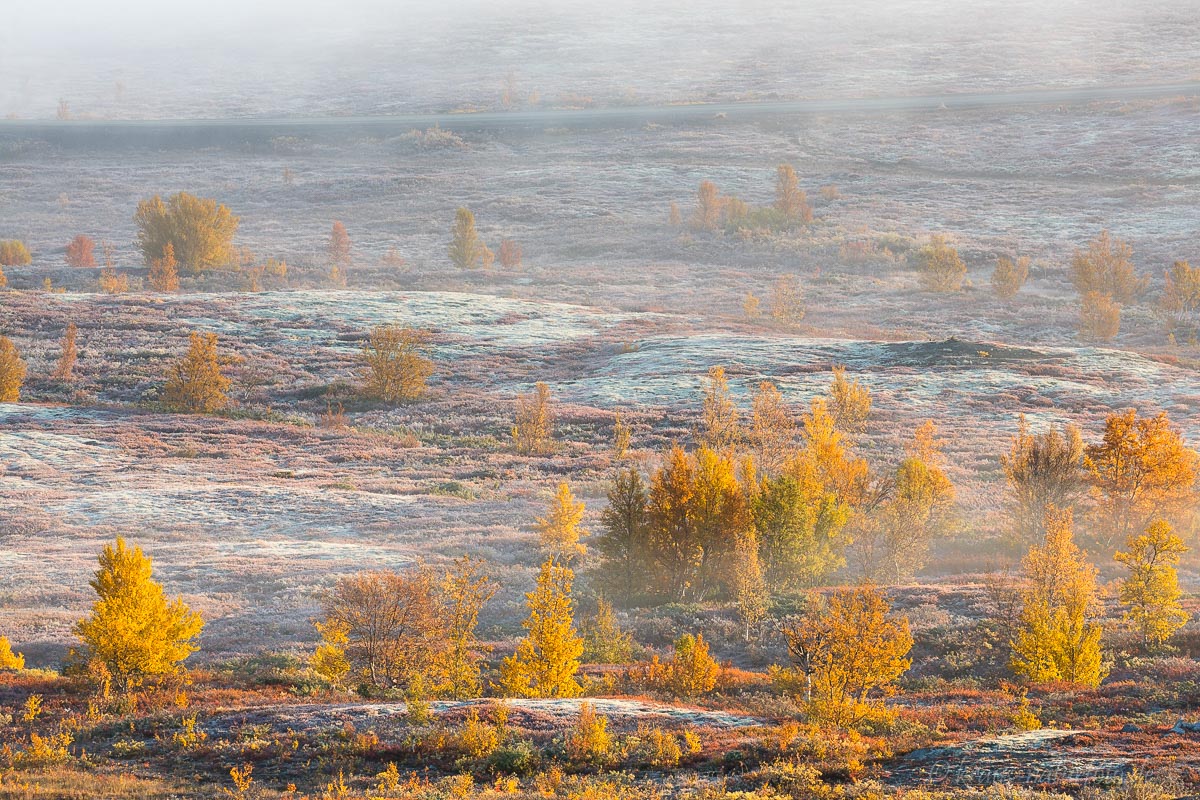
513	758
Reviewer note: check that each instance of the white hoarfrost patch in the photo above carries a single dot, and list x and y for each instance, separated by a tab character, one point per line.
478	320
668	371
35	450
563	710
234	510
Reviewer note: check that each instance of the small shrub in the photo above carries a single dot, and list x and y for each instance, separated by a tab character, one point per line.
1099	318
787	301
396	367
709	207
1024	718
113	282
33	708
510	254
81	252
849	402
70	352
514	758
10	660
188	736
533	428
660	748
603	640
14	253
199	229
1106	268
466	248
1009	276
751	306
43	751
942	270
690	672
478	739
12	371
164	273
589	741
195	384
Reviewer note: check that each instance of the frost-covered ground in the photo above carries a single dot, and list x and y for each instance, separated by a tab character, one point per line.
590	207
538	714
251	517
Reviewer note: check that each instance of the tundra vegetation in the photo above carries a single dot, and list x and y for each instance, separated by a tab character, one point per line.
715	480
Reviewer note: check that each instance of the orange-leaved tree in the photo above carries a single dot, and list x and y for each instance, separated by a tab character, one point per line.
1142	469
81	252
65	370
164	271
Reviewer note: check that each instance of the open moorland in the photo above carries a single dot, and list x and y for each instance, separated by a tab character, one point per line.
622	326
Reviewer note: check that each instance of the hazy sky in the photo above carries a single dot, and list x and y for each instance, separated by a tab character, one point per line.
378	56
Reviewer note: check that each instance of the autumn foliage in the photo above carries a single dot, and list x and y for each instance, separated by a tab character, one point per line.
1105	268
709	207
850	403
195	383
10	660
412	630
12	371
1058	633
1043	470
849	651
339	246
1150	593
164	273
941	268
1009	276
533	429
65	370
133	629
510	254
690	672
200	229
1099	317
547	659
1140	470
81	252
14	253
466	248
396	369
790	199
560	530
